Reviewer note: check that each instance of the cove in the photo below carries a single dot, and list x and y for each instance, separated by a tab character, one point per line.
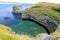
18	25
28	27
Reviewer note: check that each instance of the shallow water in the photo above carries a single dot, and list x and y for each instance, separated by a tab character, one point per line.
17	24
28	27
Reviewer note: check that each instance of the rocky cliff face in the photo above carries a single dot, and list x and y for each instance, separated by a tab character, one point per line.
41	19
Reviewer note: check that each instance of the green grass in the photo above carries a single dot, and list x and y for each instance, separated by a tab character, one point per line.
8	37
46	8
7	34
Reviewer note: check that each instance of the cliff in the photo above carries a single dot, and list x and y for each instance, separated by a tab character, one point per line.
49	9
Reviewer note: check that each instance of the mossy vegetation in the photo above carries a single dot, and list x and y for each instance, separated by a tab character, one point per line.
50	9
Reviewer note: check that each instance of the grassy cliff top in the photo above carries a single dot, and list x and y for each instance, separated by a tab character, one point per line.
50	9
7	34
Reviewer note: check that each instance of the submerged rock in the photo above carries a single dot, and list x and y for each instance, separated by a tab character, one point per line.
6	17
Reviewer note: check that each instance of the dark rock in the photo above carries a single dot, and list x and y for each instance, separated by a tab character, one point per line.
6	17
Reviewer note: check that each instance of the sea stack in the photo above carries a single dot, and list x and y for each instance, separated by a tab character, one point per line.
17	11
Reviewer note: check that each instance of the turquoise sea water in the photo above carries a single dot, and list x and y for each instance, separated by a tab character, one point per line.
17	24
28	27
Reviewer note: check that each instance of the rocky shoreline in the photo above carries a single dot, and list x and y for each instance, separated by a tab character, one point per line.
51	25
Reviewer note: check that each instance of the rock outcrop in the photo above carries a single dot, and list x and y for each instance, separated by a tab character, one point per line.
17	8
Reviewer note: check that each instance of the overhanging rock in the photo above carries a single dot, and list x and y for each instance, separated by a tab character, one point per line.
43	20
